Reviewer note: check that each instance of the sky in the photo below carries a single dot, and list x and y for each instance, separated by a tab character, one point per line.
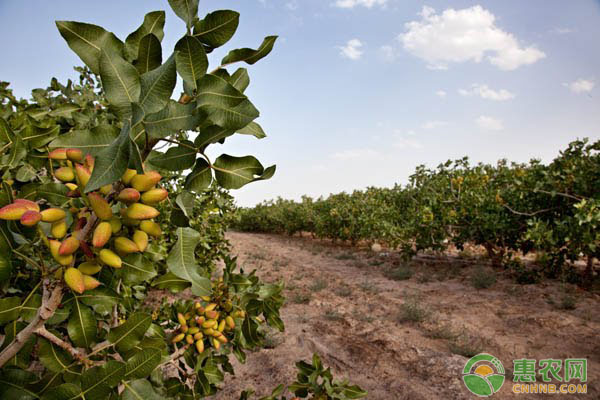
357	93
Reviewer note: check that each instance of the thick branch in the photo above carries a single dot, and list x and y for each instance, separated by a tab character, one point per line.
50	301
76	354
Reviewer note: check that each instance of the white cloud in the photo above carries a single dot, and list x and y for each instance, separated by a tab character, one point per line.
355	3
354	154
292	5
581	85
489	123
433	124
352	49
468	34
441	93
485	92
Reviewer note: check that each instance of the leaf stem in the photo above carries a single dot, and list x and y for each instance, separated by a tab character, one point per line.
180	144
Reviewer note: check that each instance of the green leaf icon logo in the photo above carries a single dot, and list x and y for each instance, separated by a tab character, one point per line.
483	375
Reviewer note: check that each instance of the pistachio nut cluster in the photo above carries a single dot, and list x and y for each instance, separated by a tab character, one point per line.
103	226
211	322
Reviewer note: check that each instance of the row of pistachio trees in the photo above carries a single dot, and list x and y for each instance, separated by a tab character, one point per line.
505	208
95	211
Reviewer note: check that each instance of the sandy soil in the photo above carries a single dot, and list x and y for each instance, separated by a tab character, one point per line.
407	339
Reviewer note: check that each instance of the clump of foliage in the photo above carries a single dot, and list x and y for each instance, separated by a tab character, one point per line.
483	278
96	210
316	381
506	208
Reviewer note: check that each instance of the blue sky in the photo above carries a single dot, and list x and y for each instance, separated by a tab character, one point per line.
359	92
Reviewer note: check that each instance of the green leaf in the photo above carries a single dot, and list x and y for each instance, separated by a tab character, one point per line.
142	364
250	332
53	193
354	392
60	315
173	118
89	141
26	173
213	373
154	23
149	55
185	200
211	134
250	56
157	87
182	261
140	389
36	137
102	299
97	382
112	161
171	282
137	269
5	267
176	158
88	40
233	118
18	151
234	172
120	81
200	178
6	134
10	307
66	391
187	10
217	28
30	308
213	90
53	357
253	129
65	110
125	336
240	79
191	60
14	384
82	325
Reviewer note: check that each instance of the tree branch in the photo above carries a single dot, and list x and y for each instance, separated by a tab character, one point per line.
50	301
533	214
76	354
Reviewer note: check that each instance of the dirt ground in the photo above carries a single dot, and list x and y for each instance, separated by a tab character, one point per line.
403	336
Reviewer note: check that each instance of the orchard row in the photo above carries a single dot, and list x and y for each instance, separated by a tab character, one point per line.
507	208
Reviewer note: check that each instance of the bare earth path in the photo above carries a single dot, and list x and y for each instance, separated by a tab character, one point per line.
343	304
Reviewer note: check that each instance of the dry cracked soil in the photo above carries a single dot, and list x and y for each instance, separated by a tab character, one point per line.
405	330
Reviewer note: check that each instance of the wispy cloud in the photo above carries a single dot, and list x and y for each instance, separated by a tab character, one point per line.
489	123
581	85
468	34
352	49
485	92
388	53
562	31
356	3
441	93
434	124
406	140
292	5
